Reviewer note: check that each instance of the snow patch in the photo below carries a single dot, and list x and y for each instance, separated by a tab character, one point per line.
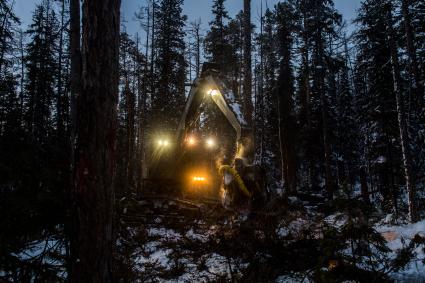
336	220
398	236
196	236
164	233
293	278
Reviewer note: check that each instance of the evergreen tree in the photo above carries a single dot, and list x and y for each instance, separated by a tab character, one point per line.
346	133
285	28
216	45
41	72
170	65
7	80
8	20
318	25
376	102
415	10
233	71
130	110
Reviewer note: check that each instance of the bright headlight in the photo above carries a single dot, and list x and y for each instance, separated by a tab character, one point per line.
210	143
191	141
213	92
163	143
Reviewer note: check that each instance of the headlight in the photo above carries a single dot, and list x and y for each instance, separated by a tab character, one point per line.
163	143
210	143
213	92
191	141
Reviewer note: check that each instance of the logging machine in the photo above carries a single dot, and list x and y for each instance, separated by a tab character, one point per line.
198	163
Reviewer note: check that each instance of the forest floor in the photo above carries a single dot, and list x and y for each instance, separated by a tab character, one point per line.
173	240
165	239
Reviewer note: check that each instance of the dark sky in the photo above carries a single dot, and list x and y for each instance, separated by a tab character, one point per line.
194	9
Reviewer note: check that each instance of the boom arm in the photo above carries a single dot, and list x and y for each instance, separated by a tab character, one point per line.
201	88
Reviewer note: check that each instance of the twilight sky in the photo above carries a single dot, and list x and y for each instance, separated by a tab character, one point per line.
194	9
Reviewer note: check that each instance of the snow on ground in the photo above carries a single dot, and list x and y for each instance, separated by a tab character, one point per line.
336	220
36	249
295	228
164	233
399	236
158	255
216	266
185	253
294	278
196	236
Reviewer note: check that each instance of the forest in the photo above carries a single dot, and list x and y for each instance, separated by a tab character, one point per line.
306	130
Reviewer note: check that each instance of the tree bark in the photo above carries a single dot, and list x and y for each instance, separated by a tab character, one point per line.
247	86
404	137
94	173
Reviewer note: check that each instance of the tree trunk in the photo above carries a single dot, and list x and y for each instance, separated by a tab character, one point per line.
152	69
130	134
198	51
75	53
305	100
363	185
247	86
22	86
323	104
141	103
59	113
259	98
404	137
95	160
3	39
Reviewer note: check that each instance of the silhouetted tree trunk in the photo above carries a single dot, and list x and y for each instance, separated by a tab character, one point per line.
59	111
75	53
323	105
95	159
152	68
247	86
130	123
404	137
22	71
142	106
195	32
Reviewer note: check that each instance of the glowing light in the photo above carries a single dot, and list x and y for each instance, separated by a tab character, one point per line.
213	92
191	141
198	179
210	143
163	143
